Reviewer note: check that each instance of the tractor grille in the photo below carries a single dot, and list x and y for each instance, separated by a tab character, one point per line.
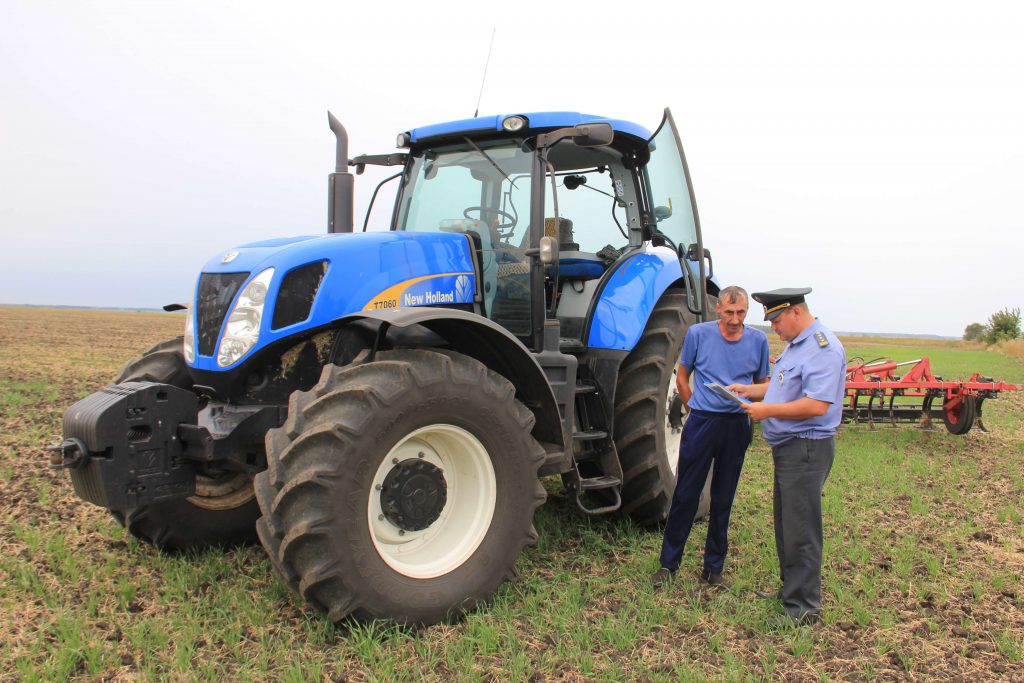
216	292
296	294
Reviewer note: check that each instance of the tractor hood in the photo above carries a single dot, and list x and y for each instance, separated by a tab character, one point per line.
318	279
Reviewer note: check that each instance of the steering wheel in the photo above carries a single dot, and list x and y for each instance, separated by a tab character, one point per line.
483	210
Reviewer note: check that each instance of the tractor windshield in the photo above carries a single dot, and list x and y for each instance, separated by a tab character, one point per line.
481	187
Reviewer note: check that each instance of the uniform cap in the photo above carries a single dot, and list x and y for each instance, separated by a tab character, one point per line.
778	300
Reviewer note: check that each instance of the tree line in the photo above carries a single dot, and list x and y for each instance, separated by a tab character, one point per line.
1001	325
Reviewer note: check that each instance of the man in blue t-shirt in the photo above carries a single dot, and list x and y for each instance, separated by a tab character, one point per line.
717	430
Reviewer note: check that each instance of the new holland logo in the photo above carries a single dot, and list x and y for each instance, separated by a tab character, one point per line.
229	257
462	289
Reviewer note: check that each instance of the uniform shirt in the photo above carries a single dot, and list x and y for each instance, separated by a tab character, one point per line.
813	365
710	357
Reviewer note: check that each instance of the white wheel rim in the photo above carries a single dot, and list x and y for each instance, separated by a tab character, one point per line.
673	435
456	534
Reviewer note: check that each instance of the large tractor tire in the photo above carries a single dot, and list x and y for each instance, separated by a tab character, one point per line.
402	489
222	512
647	433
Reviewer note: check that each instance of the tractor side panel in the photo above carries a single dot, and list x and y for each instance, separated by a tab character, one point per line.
627	299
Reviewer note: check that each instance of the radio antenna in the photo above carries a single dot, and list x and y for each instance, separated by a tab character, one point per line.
484	79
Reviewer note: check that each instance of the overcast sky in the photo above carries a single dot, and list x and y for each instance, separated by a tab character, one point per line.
872	151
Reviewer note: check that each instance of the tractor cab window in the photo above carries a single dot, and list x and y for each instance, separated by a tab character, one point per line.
590	185
483	189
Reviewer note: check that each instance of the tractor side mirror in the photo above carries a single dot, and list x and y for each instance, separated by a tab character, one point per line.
662	212
593	134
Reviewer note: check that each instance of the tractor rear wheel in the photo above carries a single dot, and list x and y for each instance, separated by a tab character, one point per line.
403	488
223	510
647	431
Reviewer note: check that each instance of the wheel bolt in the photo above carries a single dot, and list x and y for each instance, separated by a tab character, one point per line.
394	461
378	487
420	454
401	532
380	518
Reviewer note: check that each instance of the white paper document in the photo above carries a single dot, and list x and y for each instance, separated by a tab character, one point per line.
725	393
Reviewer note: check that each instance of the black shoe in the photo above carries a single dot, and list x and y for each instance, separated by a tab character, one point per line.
782	622
661	577
768	595
715	580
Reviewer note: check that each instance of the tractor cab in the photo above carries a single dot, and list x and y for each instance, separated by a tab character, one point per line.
552	203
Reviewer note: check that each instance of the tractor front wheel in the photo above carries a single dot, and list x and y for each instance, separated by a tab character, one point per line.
403	488
223	510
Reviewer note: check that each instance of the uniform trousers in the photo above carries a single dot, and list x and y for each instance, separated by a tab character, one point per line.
721	439
801	468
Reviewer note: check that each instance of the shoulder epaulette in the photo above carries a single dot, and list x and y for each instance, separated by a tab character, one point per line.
822	340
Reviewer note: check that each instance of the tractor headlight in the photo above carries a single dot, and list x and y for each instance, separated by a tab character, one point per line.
243	327
190	336
513	123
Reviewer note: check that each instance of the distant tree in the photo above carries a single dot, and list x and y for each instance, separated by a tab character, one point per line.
974	332
1004	324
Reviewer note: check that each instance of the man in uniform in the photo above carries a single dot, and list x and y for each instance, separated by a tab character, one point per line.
717	430
800	409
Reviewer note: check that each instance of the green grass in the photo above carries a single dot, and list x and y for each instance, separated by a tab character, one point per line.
923	557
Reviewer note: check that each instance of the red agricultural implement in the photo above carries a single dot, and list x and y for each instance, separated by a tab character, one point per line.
874	393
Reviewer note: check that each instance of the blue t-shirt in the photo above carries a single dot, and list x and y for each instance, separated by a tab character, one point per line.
813	365
710	357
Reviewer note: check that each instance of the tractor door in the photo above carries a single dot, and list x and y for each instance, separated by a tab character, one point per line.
672	209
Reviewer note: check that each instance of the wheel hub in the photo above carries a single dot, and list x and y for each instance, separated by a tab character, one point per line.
675	412
413	494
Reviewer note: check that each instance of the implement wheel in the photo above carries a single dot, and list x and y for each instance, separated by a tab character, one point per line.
958	413
401	489
222	512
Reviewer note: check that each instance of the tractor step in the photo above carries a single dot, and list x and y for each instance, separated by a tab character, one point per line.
596	483
572	346
585	387
606	483
591	435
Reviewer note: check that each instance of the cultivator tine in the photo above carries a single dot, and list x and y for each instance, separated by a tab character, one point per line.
978	424
926	413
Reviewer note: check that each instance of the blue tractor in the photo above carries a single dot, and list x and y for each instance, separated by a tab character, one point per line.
379	407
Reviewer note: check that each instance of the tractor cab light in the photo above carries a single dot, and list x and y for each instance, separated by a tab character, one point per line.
513	123
402	141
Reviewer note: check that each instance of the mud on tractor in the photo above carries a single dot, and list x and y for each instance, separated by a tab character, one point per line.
379	407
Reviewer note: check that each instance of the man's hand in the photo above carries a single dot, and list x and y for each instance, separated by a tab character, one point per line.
754	392
683	386
758	411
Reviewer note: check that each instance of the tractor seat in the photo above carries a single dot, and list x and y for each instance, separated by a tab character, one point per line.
578	265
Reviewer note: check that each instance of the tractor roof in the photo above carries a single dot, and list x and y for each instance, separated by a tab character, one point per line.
535	121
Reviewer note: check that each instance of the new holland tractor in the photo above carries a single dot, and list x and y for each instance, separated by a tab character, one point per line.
379	407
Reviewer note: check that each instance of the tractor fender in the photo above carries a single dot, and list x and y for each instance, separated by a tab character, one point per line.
494	346
627	296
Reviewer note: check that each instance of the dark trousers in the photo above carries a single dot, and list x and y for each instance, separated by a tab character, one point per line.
722	439
801	468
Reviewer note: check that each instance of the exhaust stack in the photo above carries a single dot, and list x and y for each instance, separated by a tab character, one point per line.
340	184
